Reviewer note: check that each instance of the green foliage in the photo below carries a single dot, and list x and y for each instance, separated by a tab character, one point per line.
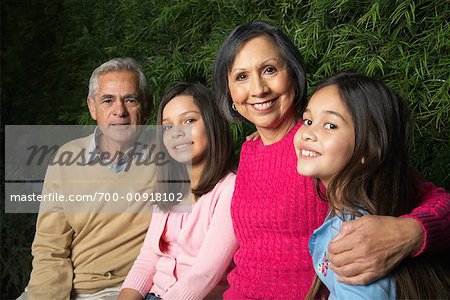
49	49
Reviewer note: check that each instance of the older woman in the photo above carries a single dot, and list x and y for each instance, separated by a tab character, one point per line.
259	76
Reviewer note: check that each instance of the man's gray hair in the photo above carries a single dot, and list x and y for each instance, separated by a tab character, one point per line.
118	65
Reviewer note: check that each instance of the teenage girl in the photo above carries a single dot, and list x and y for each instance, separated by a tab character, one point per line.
186	253
354	141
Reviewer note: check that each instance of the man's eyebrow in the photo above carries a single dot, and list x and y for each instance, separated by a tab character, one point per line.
127	96
132	95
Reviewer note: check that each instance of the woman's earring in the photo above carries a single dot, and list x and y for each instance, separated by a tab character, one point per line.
233	106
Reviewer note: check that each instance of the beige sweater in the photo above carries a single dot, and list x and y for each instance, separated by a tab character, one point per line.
86	246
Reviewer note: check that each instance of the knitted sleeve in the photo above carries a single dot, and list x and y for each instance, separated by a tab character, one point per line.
433	215
140	277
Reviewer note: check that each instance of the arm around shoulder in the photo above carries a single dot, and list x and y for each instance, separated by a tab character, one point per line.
368	248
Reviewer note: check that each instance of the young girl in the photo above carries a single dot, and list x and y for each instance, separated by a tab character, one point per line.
354	141
186	253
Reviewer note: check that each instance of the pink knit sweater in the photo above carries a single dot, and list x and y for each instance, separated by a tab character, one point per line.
274	212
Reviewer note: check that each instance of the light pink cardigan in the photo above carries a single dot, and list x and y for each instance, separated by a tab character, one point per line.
207	244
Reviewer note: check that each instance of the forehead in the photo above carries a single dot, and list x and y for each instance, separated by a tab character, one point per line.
118	80
257	47
327	98
178	105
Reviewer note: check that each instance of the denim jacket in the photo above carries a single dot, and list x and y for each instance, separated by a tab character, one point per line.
383	288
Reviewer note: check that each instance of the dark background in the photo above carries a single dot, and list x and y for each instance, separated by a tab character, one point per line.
49	49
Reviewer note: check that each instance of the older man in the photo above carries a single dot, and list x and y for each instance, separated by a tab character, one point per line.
85	250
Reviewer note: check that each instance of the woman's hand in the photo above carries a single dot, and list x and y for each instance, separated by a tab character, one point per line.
129	294
252	137
368	248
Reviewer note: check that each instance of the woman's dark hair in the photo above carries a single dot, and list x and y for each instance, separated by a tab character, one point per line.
219	152
378	177
227	54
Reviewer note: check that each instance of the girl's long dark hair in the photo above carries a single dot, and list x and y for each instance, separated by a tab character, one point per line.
219	153
378	177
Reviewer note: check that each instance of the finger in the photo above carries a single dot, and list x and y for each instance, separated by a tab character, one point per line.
252	137
341	259
361	279
349	270
339	247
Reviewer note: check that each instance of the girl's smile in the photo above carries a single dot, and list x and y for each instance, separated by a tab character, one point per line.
184	131
325	142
